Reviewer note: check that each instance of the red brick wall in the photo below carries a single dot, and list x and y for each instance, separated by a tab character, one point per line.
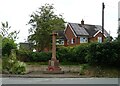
95	39
69	34
77	40
65	42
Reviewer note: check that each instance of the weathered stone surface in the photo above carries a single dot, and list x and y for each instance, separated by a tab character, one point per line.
53	66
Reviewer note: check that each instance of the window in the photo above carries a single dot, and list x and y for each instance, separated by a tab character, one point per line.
68	42
72	40
83	40
60	42
100	39
57	41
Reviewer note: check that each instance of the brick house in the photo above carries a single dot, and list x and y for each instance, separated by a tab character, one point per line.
61	39
75	34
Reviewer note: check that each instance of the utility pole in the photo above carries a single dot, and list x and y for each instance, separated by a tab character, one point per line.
103	7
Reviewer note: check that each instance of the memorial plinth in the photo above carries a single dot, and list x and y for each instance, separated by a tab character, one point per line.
53	65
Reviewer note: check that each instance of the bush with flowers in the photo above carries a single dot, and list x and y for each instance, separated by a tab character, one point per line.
11	65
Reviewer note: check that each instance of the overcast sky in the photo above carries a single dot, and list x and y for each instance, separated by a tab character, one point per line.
119	12
17	13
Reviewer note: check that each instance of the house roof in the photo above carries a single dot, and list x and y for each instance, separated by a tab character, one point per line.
78	29
86	29
93	29
61	34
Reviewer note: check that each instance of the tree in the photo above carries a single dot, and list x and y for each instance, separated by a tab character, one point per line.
8	39
118	38
43	22
7	45
0	46
4	32
0	41
10	64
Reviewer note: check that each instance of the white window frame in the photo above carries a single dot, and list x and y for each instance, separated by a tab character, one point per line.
99	39
59	42
83	40
72	41
62	42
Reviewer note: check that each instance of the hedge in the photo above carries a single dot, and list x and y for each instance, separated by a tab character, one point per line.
81	52
104	53
64	54
33	56
94	53
72	54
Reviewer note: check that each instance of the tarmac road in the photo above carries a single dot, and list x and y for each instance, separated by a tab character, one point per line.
60	81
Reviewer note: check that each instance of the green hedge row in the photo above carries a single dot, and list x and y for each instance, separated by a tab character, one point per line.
33	56
106	53
72	54
94	53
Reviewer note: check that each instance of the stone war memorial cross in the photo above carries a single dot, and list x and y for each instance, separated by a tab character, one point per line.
53	65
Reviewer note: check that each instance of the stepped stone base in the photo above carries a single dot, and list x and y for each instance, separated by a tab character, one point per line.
53	67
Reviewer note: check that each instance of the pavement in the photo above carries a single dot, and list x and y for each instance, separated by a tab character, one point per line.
43	75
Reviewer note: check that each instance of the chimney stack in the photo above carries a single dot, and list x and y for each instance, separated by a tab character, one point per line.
82	22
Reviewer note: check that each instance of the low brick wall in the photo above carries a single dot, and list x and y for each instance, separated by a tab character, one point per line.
44	67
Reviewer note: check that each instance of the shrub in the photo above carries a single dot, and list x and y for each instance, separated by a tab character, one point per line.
72	54
12	65
28	56
23	55
7	46
116	53
80	53
92	53
40	56
82	69
65	54
95	53
104	53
